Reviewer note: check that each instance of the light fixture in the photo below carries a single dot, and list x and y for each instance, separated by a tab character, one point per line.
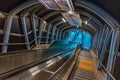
2	15
63	20
70	12
86	22
77	26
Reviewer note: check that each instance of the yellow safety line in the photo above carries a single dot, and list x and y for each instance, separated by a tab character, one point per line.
87	61
85	67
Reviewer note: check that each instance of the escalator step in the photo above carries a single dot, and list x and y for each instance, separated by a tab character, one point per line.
91	74
80	78
83	74
84	71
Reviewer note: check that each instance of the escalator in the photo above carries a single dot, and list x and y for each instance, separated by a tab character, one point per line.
25	65
49	64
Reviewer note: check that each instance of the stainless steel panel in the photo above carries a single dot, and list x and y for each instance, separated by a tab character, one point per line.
10	61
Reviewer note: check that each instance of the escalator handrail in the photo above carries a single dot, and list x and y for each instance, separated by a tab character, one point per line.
23	51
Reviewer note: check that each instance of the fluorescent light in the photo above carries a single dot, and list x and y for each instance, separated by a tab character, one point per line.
86	22
63	20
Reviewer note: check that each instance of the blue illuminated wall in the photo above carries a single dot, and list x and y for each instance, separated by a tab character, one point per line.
87	39
76	37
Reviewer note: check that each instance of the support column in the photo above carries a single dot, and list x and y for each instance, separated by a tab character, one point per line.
98	38
25	32
95	40
57	34
53	33
8	24
40	31
60	35
64	36
101	39
112	52
105	44
34	28
48	32
100	42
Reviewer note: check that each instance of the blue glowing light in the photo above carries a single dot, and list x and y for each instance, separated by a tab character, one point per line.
77	37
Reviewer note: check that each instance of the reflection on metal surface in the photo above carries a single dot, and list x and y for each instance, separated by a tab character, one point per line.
50	64
63	20
34	70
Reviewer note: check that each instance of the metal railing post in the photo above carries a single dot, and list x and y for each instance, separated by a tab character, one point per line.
60	35
48	32
57	34
53	33
8	24
25	32
105	44
40	31
112	52
101	40
34	28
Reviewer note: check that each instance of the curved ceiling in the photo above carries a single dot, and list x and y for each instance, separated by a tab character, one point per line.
54	17
111	6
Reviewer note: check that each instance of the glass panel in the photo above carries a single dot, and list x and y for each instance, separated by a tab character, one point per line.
72	18
63	5
49	4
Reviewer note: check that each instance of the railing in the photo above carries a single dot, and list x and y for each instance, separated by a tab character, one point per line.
107	72
24	43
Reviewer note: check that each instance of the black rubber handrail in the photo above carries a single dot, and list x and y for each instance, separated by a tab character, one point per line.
23	51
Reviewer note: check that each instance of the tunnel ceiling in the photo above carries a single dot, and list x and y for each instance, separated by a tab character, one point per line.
95	23
111	6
